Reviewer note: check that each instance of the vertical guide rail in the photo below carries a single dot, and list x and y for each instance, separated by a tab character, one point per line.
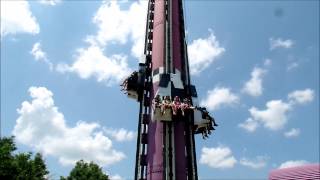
168	152
195	168
170	159
171	153
145	102
164	151
167	175
138	143
143	168
190	141
144	119
146	34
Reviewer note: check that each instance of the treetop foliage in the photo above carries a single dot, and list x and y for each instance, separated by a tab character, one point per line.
21	165
86	171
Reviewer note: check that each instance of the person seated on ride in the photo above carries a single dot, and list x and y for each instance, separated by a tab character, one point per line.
166	103
185	105
124	85
214	121
134	74
204	132
176	105
205	115
156	103
131	79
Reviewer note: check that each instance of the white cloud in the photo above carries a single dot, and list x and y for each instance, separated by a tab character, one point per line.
254	87
289	164
292	133
203	52
267	62
91	62
280	43
37	52
40	55
121	134
116	177
292	65
218	97
274	117
250	125
259	162
117	26
41	126
50	2
16	17
301	96
220	157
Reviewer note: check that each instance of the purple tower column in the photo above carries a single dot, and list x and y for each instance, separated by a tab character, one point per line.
179	137
166	129
155	130
155	159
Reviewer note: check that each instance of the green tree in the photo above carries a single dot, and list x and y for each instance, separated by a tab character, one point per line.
86	171
20	165
7	165
39	168
23	163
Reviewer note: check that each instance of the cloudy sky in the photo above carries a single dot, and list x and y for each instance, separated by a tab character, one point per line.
255	64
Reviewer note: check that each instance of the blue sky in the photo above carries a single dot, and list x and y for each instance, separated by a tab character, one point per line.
255	65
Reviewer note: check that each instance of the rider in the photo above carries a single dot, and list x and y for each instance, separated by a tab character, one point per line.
186	104
205	115
166	103
156	103
176	104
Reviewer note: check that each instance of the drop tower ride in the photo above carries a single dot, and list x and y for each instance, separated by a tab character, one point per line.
165	141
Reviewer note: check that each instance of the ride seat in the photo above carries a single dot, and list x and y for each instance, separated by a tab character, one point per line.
166	116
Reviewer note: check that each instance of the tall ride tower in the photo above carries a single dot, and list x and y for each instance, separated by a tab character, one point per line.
166	127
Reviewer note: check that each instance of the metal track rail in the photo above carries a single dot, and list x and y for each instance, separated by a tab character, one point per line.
145	103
